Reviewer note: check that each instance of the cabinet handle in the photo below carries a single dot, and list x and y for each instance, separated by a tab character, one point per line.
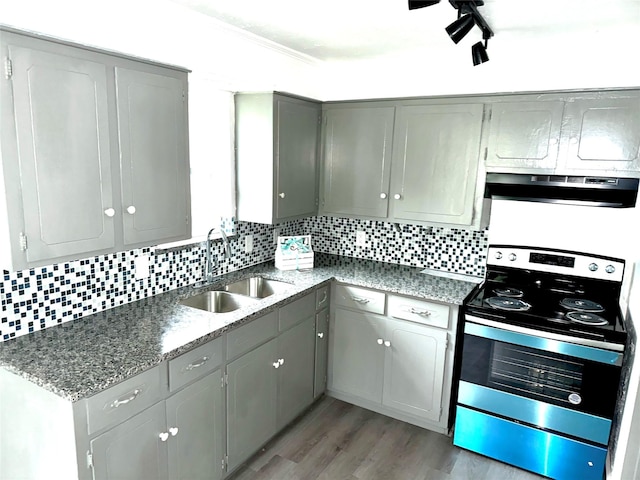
321	335
110	212
281	361
202	361
164	436
383	196
281	195
123	401
173	431
422	313
276	364
387	343
380	341
397	196
323	299
360	300
131	209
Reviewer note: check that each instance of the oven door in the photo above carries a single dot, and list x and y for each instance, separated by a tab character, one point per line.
515	368
535	399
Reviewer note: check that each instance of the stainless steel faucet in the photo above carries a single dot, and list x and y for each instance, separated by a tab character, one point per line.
210	258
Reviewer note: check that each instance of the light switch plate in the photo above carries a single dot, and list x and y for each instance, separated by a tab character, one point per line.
248	244
361	238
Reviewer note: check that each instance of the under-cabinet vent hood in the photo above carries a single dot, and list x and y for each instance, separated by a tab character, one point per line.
566	189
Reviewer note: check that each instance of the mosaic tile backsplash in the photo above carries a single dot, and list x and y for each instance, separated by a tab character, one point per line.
42	297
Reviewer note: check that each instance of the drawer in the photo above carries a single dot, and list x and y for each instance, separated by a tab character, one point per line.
295	312
117	403
249	336
322	297
419	311
360	299
195	364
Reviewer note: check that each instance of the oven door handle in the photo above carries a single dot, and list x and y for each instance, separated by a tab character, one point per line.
595	350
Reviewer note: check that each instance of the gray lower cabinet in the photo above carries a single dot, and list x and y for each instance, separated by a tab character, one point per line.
179	439
276	155
321	352
399	366
272	380
565	133
94	152
251	402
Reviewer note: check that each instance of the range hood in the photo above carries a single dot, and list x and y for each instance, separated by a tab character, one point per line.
566	189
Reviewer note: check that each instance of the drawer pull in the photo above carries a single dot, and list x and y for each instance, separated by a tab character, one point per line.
387	343
202	361
380	341
281	361
276	364
321	335
164	436
173	431
124	401
422	313
361	300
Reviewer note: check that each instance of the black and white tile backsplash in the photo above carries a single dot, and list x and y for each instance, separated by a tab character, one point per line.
42	297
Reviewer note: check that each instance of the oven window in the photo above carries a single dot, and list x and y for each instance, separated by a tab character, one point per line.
528	371
550	377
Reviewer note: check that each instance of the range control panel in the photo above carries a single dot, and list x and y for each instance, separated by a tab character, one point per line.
560	262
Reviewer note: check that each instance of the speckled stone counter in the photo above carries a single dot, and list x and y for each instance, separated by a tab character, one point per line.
77	359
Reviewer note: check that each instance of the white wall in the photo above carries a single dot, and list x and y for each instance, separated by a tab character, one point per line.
165	32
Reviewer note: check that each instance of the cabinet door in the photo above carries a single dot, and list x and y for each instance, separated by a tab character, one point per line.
62	127
357	160
251	402
435	163
414	369
195	415
357	354
152	130
524	135
296	152
133	450
322	352
603	133
295	375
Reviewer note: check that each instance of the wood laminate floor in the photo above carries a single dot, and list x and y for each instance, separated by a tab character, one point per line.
339	441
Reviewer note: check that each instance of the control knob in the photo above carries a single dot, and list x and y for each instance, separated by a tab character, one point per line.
610	269
593	267
498	255
512	257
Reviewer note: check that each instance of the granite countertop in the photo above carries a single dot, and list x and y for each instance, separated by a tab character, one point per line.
80	358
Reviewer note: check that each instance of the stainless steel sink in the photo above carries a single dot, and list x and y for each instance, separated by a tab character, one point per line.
257	287
218	302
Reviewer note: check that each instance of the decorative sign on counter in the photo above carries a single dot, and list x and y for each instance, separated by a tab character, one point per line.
294	253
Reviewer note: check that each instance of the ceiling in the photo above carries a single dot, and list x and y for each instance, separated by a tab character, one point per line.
343	30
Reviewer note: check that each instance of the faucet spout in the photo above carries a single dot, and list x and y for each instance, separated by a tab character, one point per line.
225	240
209	247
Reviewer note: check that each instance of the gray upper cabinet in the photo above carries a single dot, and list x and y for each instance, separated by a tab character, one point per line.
565	133
413	161
524	135
358	141
435	162
276	153
154	177
64	169
603	133
94	152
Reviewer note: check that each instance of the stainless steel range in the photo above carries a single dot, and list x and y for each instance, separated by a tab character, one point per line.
541	359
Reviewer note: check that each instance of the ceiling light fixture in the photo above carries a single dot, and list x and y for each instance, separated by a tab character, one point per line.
468	16
413	4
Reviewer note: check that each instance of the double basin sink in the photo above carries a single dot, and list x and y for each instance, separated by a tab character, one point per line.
236	295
